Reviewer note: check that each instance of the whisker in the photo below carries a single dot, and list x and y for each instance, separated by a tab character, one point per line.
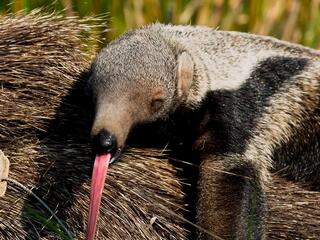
184	162
229	173
165	148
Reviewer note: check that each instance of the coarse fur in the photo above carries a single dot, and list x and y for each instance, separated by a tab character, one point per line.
43	123
245	103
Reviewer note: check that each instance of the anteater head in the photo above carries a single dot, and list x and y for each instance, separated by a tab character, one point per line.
137	78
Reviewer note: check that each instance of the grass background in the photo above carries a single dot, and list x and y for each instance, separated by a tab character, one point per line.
293	20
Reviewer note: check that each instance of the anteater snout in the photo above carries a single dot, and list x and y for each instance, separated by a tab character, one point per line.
104	142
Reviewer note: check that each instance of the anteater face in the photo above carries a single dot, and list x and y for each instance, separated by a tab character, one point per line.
133	80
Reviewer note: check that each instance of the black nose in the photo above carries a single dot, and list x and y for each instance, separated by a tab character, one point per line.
104	142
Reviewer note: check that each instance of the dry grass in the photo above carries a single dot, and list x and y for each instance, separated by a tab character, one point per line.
291	20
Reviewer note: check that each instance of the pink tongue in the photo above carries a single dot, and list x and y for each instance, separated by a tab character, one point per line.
97	183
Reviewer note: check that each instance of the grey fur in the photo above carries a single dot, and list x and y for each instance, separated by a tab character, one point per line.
240	72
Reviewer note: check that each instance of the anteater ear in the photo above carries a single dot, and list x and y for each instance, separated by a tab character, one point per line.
185	73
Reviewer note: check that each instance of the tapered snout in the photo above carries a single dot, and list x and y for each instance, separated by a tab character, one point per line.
104	142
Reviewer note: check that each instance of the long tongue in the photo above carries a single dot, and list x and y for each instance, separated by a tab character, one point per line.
99	174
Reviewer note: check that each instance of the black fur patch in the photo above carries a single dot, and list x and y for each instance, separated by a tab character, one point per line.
299	159
232	118
234	113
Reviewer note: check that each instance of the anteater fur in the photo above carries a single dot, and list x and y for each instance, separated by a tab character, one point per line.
44	132
247	104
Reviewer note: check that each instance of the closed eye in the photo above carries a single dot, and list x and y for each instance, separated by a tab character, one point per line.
156	104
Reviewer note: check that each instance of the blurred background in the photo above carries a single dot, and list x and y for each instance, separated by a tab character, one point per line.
293	20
